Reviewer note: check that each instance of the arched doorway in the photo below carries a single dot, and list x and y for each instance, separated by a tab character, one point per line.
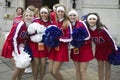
49	3
39	3
36	3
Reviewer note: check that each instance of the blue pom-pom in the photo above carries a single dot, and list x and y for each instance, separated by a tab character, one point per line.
52	35
79	34
28	50
118	48
114	58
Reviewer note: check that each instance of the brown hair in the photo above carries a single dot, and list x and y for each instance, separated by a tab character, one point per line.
48	11
21	10
99	24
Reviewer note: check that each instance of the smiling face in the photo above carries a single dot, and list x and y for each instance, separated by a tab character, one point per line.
19	12
28	16
44	13
72	17
60	11
92	20
60	14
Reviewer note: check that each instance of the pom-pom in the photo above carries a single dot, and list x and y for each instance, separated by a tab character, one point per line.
114	58
36	28
28	50
23	59
36	38
78	35
52	35
36	31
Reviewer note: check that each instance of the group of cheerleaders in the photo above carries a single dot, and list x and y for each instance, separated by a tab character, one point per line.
97	34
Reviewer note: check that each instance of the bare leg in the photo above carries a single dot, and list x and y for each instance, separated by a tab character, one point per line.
107	70
20	74
83	70
42	68
77	69
35	68
101	70
13	61
50	66
17	74
56	70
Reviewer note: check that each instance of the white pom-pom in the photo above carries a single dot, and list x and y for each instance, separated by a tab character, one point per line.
35	27
36	37
41	29
23	59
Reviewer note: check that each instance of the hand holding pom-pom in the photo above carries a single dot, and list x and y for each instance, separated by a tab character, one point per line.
36	31
114	58
23	59
36	38
79	34
52	35
35	27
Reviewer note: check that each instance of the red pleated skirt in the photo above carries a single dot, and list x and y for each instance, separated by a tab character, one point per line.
102	53
60	53
38	53
7	49
85	53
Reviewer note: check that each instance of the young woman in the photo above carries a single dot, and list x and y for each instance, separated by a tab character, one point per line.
81	55
17	36
40	55
59	54
53	14
19	13
104	45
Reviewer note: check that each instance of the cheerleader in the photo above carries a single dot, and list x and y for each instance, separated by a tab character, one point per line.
17	36
40	50
81	55
104	45
53	14
59	54
19	12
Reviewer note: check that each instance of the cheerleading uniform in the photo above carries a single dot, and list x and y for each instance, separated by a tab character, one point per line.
36	19
17	35
60	53
53	18
17	19
104	43
34	45
85	51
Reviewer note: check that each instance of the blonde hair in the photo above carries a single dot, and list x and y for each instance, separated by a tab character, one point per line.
55	6
36	12
77	16
27	11
31	8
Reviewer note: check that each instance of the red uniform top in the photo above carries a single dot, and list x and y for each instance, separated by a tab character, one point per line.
36	19
84	53
17	35
34	45
53	18
104	43
60	53
66	31
17	19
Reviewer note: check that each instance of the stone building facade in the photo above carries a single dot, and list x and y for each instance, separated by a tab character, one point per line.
109	11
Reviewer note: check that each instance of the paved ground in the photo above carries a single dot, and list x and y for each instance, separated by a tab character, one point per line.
67	70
